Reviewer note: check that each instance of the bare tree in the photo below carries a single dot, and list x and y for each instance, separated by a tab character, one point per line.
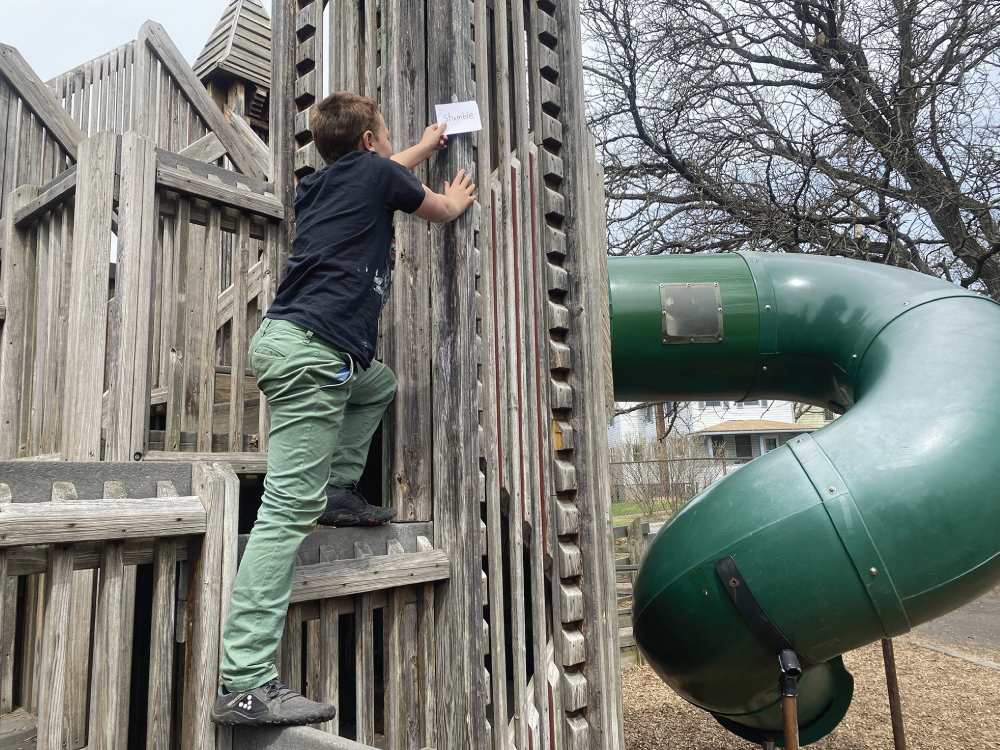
862	128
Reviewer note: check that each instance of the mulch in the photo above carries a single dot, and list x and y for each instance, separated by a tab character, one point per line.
947	703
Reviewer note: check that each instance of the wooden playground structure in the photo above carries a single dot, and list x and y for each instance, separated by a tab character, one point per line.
133	438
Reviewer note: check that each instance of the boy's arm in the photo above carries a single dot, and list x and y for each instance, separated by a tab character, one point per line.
458	196
432	140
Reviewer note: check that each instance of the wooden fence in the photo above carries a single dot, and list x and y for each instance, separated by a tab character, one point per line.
631	544
119	609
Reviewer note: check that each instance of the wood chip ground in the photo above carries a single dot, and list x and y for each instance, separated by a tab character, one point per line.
947	703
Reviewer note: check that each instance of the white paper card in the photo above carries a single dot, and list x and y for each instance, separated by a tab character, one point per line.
461	117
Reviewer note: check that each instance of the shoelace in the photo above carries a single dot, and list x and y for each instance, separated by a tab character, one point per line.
275	689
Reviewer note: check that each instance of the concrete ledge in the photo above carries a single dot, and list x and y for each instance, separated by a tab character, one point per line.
291	738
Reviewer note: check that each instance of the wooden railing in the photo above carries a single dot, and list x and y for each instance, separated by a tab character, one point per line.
116	594
355	604
637	537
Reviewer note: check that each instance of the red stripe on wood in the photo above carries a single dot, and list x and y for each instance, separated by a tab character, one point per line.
517	321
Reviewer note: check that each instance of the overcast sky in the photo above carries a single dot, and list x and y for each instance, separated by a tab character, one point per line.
57	35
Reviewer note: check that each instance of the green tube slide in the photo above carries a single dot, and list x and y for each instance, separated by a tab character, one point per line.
884	519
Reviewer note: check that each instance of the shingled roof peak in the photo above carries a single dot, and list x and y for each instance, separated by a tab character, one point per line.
240	45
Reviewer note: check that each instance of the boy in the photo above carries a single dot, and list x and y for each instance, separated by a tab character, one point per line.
313	360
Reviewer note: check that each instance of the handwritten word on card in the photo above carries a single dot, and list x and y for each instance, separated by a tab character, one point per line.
461	117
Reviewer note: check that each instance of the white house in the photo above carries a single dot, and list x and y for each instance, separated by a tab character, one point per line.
742	429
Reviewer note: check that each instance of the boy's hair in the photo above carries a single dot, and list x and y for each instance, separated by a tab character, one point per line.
339	121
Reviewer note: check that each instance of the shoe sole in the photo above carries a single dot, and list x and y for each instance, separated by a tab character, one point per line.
344	520
230	719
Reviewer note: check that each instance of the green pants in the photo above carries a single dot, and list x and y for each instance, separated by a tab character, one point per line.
323	415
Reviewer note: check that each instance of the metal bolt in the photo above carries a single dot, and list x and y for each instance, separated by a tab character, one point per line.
720	309
831	489
755	260
692	339
733	582
714	284
854	356
689	285
705	592
137	456
720	338
905	304
873	571
767	307
662	285
764	369
799	440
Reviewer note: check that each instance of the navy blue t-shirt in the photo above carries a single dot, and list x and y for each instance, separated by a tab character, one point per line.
340	269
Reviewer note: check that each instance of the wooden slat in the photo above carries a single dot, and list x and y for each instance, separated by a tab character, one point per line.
52	729
329	650
206	386
258	149
43	523
240	342
58	191
208	148
364	649
8	622
392	648
37	96
427	673
17	283
203	611
105	716
156	38
161	650
22	561
88	298
132	318
242	462
176	395
201	187
367	574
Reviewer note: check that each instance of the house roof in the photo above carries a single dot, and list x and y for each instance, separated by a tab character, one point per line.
734	426
240	44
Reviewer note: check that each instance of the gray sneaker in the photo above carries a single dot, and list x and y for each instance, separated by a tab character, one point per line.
271	703
346	507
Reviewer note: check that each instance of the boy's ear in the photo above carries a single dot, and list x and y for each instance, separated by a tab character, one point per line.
367	142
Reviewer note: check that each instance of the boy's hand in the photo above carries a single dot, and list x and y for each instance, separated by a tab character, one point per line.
457	197
461	192
434	138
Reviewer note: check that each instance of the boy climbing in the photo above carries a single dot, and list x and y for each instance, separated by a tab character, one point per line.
313	358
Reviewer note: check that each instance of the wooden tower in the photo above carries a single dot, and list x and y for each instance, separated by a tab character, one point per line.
485	617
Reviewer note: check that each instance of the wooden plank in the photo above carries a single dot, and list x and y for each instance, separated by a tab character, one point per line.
208	149
52	726
88	298
54	193
427	671
240	342
267	290
242	462
204	601
161	650
258	149
132	317
407	332
156	38
329	650
105	716
15	288
36	95
176	395
201	187
367	574
364	649
461	694
282	122
206	386
8	622
42	523
392	649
